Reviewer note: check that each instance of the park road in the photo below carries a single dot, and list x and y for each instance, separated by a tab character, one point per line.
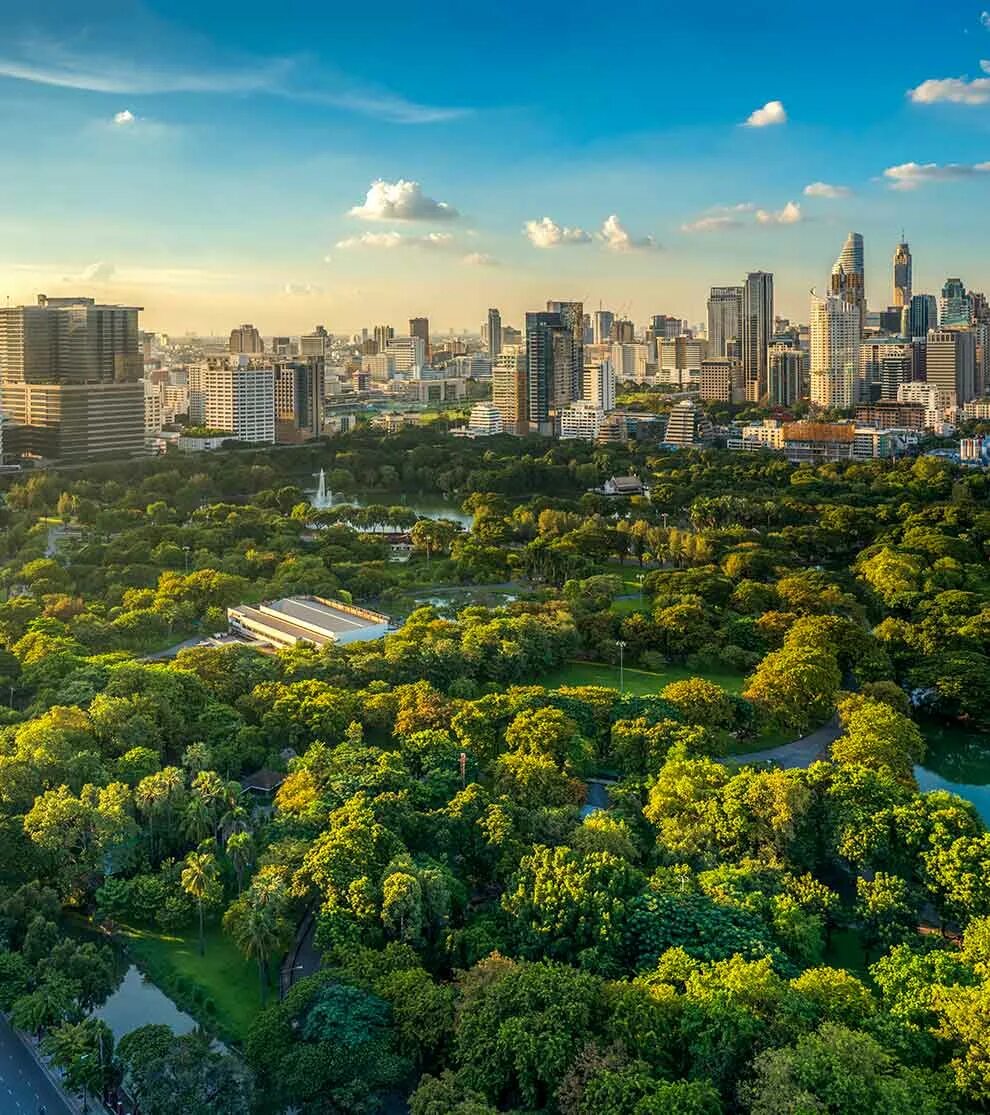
24	1087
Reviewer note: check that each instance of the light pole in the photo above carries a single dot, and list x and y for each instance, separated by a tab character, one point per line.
620	643
185	550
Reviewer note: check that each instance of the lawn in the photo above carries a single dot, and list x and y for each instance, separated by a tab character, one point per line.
222	976
640	683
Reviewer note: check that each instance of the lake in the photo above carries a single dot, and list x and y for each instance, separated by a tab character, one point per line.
424	506
137	1002
958	759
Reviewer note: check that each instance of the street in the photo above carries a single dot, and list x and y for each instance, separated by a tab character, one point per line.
24	1088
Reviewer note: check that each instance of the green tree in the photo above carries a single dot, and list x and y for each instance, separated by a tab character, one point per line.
200	880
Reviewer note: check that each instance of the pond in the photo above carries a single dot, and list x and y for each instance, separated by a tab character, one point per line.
426	507
958	760
137	1002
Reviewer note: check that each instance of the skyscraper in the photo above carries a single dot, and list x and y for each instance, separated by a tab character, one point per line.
955	305
950	364
494	334
316	343
598	389
836	331
382	335
549	367
786	375
509	393
601	326
755	329
240	399
572	316
724	313
902	274
849	275
420	327
70	378
922	315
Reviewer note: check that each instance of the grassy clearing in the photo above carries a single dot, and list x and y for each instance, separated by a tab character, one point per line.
222	976
641	683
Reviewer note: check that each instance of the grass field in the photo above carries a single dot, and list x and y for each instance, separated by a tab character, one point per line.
223	976
641	683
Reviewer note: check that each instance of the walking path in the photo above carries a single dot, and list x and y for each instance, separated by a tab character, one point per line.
801	753
25	1087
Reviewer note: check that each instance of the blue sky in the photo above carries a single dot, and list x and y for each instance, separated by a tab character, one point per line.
216	162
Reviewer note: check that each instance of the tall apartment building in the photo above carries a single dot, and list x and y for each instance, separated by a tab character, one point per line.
494	334
950	364
240	399
623	332
663	326
572	318
630	362
955	306
724	315
409	353
902	274
787	375
551	378
679	360
509	392
71	378
245	339
598	387
686	425
884	364
298	400
382	335
755	330
835	339
715	379
848	281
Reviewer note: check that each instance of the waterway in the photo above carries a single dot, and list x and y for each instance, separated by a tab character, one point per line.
138	1002
958	759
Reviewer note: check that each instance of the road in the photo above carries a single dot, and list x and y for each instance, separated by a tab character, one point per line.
801	753
24	1088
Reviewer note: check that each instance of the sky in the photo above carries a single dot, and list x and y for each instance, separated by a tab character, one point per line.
310	163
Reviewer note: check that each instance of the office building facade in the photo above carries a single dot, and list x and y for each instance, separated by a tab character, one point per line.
724	314
755	329
835	344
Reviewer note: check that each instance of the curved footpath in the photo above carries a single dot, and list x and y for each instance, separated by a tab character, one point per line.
801	753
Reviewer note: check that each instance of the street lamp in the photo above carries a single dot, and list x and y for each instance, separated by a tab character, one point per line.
620	643
185	550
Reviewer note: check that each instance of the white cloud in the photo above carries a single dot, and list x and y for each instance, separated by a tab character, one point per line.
100	272
985	65
122	119
301	290
824	189
955	90
616	238
546	233
773	112
401	201
985	19
480	259
908	176
711	224
789	215
397	240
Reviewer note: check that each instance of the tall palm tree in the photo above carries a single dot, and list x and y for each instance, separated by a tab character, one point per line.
259	928
199	881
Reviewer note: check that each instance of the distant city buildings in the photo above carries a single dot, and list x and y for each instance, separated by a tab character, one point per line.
246	339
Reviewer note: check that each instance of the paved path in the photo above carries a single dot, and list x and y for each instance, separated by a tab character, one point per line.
801	753
24	1087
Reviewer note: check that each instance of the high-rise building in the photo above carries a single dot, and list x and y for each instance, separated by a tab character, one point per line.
409	353
715	379
922	316
70	378
687	424
420	327
623	331
572	317
240	399
509	391
316	343
884	364
679	360
631	362
835	339
902	274
755	329
382	334
663	326
246	339
580	420
848	280
955	306
598	389
494	333
601	326
950	364
549	367
787	373
724	314
299	400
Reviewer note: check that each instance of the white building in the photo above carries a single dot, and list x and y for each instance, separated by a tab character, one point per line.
241	400
687	424
631	361
408	354
679	360
152	407
580	420
835	340
485	420
598	388
380	366
474	365
928	396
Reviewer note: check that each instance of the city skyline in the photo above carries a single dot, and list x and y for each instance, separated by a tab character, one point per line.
217	170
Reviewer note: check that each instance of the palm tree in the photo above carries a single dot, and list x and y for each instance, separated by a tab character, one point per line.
199	881
259	929
240	849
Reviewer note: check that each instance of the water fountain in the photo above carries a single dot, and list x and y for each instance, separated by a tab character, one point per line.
323	499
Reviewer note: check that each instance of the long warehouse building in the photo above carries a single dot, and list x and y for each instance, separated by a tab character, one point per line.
307	619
